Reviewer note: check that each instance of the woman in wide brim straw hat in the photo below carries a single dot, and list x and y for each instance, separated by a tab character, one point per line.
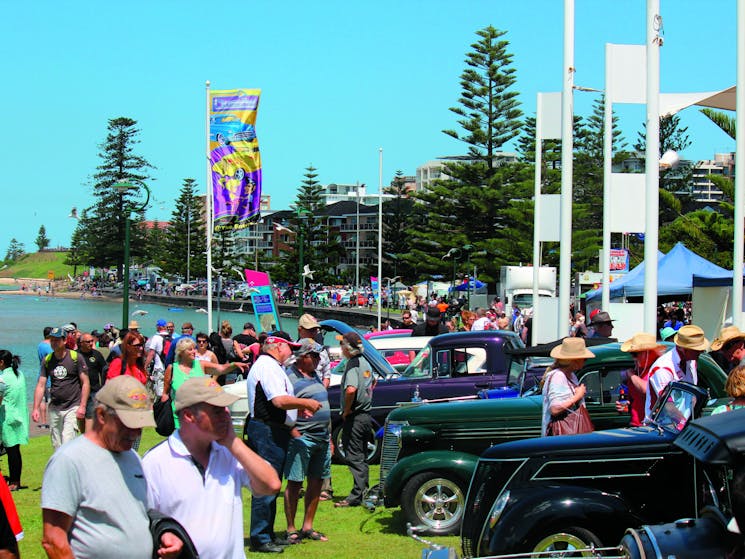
561	389
646	350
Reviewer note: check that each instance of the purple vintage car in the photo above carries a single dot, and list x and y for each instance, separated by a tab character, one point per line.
458	365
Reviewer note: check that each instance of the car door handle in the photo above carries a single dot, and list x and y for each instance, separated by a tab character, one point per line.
482	385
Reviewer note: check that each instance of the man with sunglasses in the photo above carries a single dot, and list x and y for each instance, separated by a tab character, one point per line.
97	369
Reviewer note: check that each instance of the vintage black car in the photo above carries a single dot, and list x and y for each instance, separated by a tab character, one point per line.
566	493
718	443
430	451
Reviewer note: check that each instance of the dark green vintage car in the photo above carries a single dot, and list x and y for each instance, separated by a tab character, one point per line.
430	451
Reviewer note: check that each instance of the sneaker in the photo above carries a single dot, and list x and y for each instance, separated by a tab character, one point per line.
268	547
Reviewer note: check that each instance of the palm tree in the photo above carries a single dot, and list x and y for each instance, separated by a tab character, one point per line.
724	121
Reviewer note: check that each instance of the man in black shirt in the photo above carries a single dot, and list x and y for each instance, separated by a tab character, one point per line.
246	339
432	326
97	369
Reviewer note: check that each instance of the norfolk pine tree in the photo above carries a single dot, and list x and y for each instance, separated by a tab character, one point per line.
42	241
469	208
104	221
186	222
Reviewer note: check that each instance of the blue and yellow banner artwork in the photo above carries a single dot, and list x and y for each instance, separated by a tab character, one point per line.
235	160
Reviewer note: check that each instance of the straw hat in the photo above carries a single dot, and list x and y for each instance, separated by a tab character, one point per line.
571	348
727	335
641	341
691	337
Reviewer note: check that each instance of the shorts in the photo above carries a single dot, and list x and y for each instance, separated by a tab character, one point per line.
90	404
308	458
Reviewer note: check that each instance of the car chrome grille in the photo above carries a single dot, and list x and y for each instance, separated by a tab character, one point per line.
389	453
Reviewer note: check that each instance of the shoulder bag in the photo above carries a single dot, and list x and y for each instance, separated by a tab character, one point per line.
570	422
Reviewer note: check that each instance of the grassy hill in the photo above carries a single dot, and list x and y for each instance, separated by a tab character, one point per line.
37	265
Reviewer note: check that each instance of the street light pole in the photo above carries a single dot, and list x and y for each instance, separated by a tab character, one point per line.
125	287
301	277
123	187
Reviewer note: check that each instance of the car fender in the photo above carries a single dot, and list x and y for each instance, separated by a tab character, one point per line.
531	512
460	464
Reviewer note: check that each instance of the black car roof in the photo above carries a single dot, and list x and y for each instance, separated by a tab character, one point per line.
716	439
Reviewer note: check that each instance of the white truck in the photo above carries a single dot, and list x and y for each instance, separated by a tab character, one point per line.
516	285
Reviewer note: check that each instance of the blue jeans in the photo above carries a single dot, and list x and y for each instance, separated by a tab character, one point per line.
269	442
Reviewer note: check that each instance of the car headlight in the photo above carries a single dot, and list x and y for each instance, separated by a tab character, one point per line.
498	508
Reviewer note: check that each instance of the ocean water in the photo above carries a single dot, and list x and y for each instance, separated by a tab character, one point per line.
23	318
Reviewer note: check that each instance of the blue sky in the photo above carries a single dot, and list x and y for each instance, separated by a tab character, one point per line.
340	79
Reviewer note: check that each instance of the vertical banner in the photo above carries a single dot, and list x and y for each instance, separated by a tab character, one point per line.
375	287
262	300
235	161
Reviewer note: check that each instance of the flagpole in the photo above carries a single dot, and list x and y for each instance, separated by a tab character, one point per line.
739	177
208	203
380	234
567	145
652	165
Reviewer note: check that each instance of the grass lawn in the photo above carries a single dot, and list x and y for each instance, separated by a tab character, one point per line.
353	533
37	265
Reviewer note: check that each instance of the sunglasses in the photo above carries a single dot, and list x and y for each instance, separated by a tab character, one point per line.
135	345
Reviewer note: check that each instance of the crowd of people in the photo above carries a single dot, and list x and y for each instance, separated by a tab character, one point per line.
99	498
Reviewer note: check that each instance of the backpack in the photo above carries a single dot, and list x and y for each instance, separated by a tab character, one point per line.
73	356
218	349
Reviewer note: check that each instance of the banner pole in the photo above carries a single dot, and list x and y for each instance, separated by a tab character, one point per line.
208	203
380	235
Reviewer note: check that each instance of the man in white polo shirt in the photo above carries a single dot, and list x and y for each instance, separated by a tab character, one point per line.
196	475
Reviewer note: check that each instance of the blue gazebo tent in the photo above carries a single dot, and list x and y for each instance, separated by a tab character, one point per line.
675	272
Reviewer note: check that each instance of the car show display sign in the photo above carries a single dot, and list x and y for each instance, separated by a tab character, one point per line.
262	299
235	160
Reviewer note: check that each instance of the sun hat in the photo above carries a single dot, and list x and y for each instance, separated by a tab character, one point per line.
308	346
641	341
108	326
134	325
571	348
727	335
691	337
68	328
308	322
128	397
601	318
202	390
666	333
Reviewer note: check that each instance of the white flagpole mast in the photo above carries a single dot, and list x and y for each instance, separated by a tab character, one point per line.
208	202
652	165
380	235
607	175
537	210
739	164
567	167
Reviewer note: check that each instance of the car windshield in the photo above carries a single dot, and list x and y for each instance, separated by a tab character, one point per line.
421	365
675	411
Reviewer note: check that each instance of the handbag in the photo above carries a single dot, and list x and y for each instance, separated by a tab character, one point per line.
163	412
570	422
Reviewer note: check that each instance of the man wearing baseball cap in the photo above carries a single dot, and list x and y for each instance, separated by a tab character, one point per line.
70	387
680	363
308	456
198	472
94	493
273	410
